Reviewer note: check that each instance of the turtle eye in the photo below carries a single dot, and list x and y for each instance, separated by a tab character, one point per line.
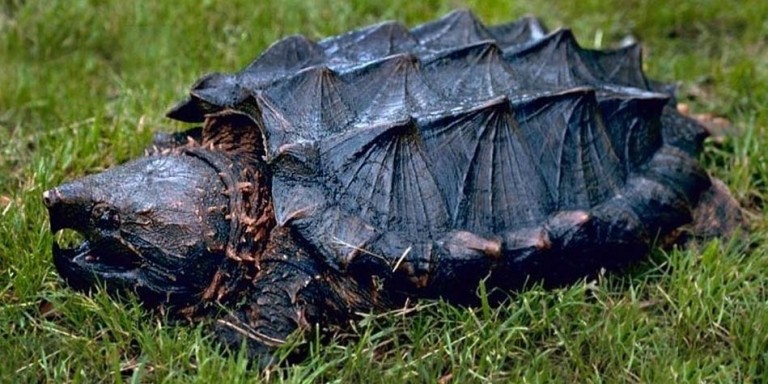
104	216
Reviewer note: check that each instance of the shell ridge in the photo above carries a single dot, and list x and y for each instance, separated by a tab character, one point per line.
616	66
559	119
466	185
378	177
278	130
444	138
634	124
606	164
515	33
469	150
455	28
392	87
359	140
526	118
559	53
531	58
367	44
456	71
293	52
595	176
314	101
424	194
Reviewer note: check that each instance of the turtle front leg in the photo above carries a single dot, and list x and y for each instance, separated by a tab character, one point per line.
291	292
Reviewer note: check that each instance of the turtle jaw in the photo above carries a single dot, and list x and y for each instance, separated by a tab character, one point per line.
157	227
83	266
101	256
165	225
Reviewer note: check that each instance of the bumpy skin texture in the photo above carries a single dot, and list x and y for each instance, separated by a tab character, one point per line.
383	164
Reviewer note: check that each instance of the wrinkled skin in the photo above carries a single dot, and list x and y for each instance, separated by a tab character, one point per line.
161	227
142	223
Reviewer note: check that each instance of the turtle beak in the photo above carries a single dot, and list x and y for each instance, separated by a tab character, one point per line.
99	255
69	206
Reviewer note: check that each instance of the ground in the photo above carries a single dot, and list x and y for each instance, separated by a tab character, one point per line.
83	84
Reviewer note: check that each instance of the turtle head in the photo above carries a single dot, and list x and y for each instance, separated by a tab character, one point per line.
161	226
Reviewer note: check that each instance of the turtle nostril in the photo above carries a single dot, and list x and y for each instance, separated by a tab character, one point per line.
51	197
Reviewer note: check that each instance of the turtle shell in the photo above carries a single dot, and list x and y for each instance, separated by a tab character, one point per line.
387	144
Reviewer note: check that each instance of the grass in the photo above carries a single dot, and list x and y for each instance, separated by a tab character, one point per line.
83	84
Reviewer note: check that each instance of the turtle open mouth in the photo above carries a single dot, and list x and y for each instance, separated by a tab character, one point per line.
88	248
97	259
105	255
157	226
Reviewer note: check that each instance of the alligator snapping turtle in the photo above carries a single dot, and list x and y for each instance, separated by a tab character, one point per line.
382	164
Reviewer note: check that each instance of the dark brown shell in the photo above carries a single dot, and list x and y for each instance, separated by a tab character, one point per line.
387	141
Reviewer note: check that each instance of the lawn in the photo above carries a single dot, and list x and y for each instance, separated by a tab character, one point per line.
83	84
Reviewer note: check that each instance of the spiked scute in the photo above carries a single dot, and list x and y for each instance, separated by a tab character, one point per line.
387	163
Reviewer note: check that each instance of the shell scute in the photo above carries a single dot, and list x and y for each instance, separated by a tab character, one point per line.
448	126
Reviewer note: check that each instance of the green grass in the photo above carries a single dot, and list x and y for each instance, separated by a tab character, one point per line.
83	84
